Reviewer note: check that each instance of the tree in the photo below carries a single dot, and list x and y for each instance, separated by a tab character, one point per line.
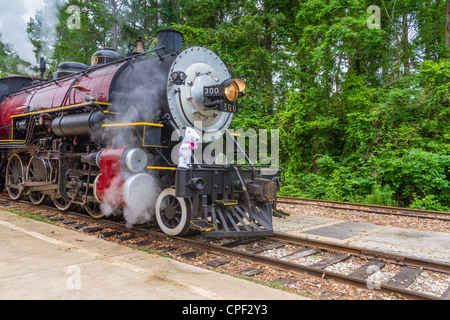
10	62
447	34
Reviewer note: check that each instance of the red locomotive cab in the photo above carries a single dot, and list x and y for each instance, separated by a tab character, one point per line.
12	104
9	107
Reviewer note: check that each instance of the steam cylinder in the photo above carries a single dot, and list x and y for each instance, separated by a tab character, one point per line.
77	124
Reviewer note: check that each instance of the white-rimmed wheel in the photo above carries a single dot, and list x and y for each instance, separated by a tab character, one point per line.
173	213
14	177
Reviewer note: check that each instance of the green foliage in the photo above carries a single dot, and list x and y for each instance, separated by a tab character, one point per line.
394	143
10	62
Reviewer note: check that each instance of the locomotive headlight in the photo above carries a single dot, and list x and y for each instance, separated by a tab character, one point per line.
241	85
231	92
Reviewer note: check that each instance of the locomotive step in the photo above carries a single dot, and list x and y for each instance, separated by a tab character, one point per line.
280	214
202	225
226	202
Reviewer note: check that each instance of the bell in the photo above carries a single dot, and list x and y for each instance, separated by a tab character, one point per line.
139	46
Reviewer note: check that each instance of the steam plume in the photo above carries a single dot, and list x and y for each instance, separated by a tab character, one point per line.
13	29
135	99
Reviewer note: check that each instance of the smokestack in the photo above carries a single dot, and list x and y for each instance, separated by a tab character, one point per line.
171	39
42	67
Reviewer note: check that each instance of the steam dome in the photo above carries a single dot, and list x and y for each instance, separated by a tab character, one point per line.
104	56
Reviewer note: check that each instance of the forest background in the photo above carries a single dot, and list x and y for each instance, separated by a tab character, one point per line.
360	96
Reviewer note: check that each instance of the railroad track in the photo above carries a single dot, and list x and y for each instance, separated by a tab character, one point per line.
302	248
427	214
255	250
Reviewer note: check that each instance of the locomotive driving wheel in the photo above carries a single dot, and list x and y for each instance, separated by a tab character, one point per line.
14	177
173	214
60	203
56	198
37	171
93	209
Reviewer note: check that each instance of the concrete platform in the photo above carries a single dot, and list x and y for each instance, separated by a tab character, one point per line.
418	243
43	261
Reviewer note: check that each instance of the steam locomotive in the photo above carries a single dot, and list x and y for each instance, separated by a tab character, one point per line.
102	137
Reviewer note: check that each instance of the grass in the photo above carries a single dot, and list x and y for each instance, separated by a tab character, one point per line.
275	285
151	251
27	214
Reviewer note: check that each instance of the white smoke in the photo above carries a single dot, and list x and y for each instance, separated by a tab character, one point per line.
142	210
14	29
135	100
49	21
111	201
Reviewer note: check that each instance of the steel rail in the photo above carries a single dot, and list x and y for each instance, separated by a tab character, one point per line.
370	208
302	269
428	264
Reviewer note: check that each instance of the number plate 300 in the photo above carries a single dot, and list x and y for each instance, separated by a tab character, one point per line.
230	107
